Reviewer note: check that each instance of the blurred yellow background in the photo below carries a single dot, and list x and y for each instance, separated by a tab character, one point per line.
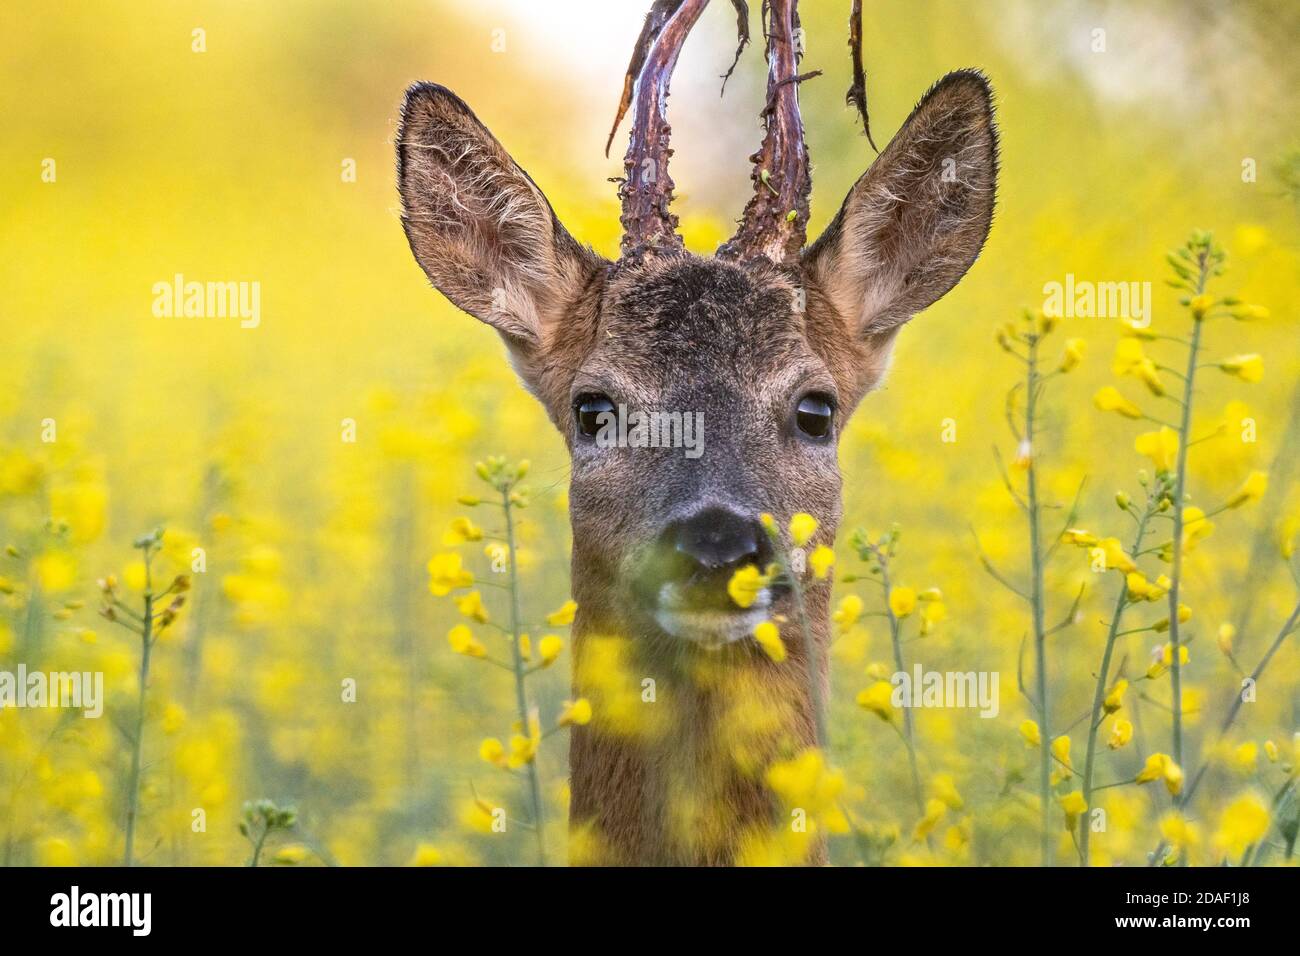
231	164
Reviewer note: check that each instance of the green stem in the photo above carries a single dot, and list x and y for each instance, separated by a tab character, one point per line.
1180	486
521	697
895	634
137	744
1036	602
257	847
813	659
1099	695
1292	622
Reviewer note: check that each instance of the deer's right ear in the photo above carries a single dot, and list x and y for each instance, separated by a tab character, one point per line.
917	219
479	226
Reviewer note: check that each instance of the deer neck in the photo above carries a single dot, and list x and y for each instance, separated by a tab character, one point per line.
671	769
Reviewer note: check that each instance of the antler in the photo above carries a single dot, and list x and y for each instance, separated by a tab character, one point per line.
775	220
647	189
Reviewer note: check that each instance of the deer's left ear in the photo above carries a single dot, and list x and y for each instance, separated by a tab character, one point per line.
481	229
917	219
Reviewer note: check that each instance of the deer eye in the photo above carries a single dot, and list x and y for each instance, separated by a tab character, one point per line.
587	411
814	416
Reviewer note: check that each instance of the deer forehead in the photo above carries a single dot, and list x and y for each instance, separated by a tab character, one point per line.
701	326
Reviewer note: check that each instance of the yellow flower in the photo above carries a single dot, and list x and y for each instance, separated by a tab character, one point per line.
1167	650
83	506
426	854
1133	331
1128	355
460	531
821	561
1162	625
1227	634
1248	368
1244	757
802	527
1137	587
1130	359
291	855
806	782
1075	349
57	571
1115	699
902	601
1195	527
492	751
1140	589
1121	732
1161	447
1074	806
746	584
935	810
1252	489
471	606
1177	831
1061	749
945	789
575	712
1247	312
1116	557
548	649
769	639
933	613
1201	304
1084	539
1029	731
1109	399
563	615
1243	823
173	718
479	815
522	751
1162	767
463	641
446	574
847	614
878	698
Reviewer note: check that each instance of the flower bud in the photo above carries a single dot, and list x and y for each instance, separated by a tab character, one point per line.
1201	304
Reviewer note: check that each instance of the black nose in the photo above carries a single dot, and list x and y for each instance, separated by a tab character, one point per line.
719	538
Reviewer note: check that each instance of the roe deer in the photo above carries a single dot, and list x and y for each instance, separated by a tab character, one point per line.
775	344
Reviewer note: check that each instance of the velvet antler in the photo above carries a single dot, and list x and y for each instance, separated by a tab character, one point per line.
647	189
775	220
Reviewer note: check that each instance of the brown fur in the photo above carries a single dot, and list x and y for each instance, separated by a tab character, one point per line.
680	332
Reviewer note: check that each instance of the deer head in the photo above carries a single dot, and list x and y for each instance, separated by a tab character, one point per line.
771	343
